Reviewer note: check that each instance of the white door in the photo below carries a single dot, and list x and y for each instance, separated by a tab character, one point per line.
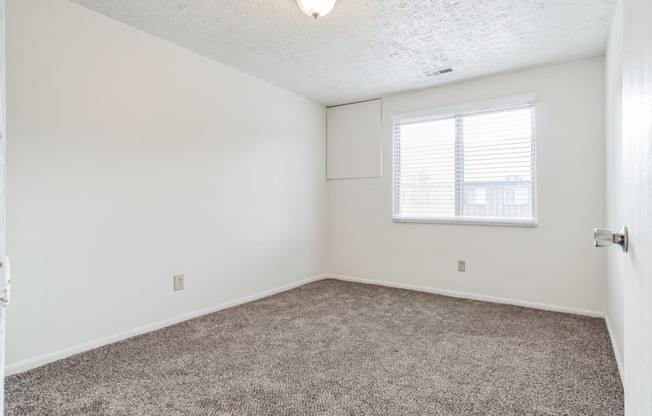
4	262
637	204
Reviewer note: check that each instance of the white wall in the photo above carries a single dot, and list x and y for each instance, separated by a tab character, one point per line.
554	263
353	140
131	160
614	181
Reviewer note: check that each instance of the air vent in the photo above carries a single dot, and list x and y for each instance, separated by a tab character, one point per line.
438	72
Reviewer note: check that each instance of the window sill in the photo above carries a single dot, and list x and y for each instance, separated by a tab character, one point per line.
507	222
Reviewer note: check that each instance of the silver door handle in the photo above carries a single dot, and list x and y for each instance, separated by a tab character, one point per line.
605	238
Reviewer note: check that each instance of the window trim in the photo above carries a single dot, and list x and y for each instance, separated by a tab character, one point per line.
497	104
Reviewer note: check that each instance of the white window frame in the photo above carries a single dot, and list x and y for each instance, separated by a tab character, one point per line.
461	110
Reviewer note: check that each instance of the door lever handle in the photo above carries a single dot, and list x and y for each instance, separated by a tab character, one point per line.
605	238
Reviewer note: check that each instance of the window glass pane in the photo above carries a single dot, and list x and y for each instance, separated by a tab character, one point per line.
497	156
427	161
475	195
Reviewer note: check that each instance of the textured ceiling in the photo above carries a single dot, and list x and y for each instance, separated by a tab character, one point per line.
370	48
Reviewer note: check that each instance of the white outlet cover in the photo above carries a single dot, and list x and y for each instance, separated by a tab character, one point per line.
178	282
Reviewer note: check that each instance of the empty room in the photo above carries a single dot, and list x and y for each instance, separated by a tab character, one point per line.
326	207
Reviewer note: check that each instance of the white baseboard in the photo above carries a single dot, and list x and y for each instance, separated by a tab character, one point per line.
61	354
474	296
619	361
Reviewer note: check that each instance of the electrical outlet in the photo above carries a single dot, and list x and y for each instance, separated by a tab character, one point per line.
178	282
461	266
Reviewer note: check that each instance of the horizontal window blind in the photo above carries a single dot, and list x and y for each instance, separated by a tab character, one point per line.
471	166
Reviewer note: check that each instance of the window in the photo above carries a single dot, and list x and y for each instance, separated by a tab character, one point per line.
517	196
468	164
476	196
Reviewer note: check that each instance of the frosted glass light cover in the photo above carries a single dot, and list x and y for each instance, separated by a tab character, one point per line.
316	8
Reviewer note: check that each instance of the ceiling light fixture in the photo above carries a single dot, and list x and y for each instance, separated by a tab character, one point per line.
316	8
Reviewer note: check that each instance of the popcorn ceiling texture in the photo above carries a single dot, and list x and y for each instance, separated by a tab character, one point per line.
366	49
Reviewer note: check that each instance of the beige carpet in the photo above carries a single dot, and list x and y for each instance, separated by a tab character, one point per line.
336	348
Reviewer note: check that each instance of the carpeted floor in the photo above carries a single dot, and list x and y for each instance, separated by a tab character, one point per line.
337	348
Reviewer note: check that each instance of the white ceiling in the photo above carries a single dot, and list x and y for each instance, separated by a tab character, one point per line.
370	48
